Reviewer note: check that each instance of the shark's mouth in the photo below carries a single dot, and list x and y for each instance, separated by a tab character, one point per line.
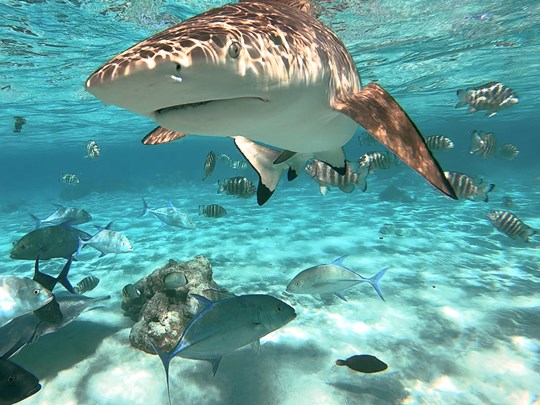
200	103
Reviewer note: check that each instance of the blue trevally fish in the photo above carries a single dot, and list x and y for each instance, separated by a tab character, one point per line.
169	215
16	383
331	278
20	295
63	215
107	241
223	326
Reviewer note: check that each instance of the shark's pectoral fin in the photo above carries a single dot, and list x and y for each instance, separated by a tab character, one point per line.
334	158
375	110
284	156
262	160
161	135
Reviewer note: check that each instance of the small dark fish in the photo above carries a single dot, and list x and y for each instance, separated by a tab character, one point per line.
439	143
238	186
209	164
47	243
212	210
326	176
491	97
174	280
482	144
510	225
70	179
378	160
130	291
86	284
508	151
507	202
18	123
465	187
16	383
93	151
363	363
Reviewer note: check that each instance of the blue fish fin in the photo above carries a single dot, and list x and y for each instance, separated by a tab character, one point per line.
374	281
339	261
80	246
63	276
215	364
108	227
58	206
203	300
166	361
170	204
36	220
340	295
256	346
44	279
102	254
145	208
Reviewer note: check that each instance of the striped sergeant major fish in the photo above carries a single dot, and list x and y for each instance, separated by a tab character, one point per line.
238	186
209	164
212	210
439	143
378	160
491	97
70	179
92	150
510	225
234	164
508	151
482	144
466	188
326	177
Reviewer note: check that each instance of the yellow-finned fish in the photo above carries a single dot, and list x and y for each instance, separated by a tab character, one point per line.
238	186
511	225
378	160
439	143
326	176
212	210
491	97
465	187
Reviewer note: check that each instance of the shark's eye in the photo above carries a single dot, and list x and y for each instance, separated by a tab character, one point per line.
234	50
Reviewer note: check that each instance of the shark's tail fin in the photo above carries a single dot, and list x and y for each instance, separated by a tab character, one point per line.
166	360
374	281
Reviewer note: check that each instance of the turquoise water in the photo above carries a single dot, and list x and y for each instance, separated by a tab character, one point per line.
460	321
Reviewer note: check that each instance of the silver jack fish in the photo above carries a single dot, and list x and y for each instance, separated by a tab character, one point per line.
93	151
238	186
465	187
107	241
20	295
437	143
377	160
16	383
326	177
170	215
491	97
70	179
64	215
221	327
331	278
508	151
209	164
483	144
510	225
268	71
212	210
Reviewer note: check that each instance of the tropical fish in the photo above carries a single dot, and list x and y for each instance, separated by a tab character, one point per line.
465	187
107	241
174	280
326	176
212	210
483	144
16	383
93	151
507	202
28	328
130	291
267	70
209	164
47	243
170	215
238	186
70	179
20	295
18	123
64	215
367	140
331	278
377	160
439	143
364	363
234	164
508	151
223	326
491	97
511	225
86	284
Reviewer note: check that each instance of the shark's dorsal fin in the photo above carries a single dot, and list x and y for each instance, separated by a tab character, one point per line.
303	5
161	135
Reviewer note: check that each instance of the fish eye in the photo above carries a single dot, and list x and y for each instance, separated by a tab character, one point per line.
36	291
297	283
11	379
234	50
279	309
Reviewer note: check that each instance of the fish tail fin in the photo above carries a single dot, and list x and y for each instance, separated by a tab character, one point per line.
36	220
374	281
145	208
362	173
484	190
476	142
44	279
166	361
262	160
462	96
63	276
528	233
221	187
80	246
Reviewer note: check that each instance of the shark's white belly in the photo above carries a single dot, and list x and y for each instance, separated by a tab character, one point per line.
299	121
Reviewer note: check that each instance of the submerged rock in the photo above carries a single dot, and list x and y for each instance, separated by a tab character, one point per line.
160	303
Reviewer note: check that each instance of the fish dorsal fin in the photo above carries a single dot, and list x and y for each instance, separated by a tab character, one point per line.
108	227
203	300
215	364
161	135
303	5
58	206
170	204
339	261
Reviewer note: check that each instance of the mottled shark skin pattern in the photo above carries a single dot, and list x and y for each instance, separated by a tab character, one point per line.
267	71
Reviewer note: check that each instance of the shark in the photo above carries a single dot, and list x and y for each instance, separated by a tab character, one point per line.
268	74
